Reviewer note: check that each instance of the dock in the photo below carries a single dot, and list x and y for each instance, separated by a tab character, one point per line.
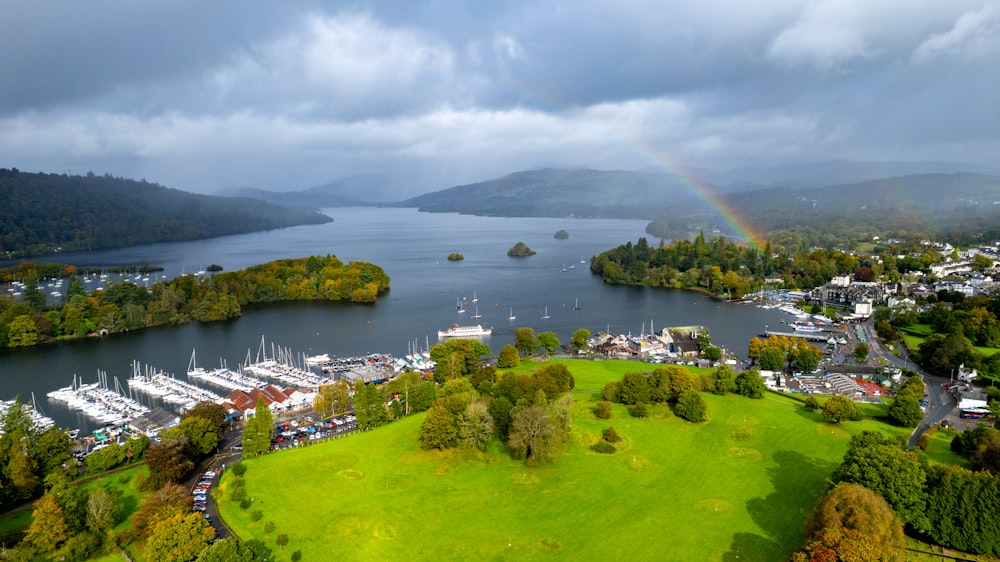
810	336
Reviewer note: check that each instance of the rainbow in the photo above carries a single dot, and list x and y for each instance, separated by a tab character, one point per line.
701	190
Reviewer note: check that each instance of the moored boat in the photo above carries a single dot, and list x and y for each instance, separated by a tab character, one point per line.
465	332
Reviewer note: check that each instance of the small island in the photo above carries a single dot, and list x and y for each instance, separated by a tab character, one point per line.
520	250
561	234
455	256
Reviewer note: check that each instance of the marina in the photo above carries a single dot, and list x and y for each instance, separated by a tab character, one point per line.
155	382
98	401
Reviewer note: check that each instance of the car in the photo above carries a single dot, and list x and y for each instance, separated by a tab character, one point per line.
294	423
208	517
210	474
309	418
198	508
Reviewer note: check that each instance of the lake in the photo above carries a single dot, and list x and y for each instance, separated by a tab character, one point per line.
412	248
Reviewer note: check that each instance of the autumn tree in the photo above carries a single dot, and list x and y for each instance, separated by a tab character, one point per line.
48	529
178	538
852	506
509	357
167	461
103	508
228	550
533	435
332	398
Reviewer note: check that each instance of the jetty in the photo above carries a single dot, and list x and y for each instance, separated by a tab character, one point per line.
223	377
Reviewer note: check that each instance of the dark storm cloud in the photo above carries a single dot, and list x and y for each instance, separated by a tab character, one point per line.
284	95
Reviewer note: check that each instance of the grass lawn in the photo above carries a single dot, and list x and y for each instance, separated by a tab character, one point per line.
128	495
738	485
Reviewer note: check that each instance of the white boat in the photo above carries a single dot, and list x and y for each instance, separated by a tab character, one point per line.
465	332
477	315
511	317
459	303
576	305
545	315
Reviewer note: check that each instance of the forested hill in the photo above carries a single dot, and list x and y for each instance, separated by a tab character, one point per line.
47	213
559	193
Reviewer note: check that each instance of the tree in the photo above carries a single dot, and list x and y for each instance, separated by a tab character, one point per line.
838	544
602	409
167	461
475	426
281	540
103	508
525	341
889	471
690	406
440	428
772	359
750	384
202	435
333	398
549	341
861	352
905	410
713	353
852	506
227	550
580	339
806	361
48	529
369	406
723	379
533	435
22	332
258	431
634	389
178	538
838	408
509	357
212	412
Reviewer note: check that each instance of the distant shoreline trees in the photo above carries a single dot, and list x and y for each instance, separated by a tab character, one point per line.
126	306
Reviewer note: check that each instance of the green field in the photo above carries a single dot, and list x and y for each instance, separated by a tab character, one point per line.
738	485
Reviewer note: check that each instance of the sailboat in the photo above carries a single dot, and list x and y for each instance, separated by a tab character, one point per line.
459	303
477	315
546	313
511	317
475	298
576	306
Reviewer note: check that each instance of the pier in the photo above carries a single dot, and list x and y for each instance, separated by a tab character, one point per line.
810	336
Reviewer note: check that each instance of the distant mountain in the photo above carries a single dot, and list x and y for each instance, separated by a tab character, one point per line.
560	193
49	213
353	191
923	203
831	172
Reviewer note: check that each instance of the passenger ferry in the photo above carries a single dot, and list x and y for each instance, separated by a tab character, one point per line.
465	332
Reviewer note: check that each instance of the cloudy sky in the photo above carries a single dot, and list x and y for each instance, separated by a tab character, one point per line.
285	95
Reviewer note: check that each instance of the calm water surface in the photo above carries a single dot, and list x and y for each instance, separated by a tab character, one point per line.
412	248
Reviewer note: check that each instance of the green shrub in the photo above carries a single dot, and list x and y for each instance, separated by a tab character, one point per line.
239	469
611	436
603	447
640	410
603	410
268	527
812	403
256	515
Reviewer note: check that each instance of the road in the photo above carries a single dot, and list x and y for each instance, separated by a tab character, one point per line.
940	406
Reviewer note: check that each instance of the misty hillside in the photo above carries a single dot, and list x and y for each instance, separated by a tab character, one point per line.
560	193
832	172
353	191
47	213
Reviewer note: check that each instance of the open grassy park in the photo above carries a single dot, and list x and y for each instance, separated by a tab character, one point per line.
735	487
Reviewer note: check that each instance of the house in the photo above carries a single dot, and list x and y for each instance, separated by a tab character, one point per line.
154	421
245	403
966	375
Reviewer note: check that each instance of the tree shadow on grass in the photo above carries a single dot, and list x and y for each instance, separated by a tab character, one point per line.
798	482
